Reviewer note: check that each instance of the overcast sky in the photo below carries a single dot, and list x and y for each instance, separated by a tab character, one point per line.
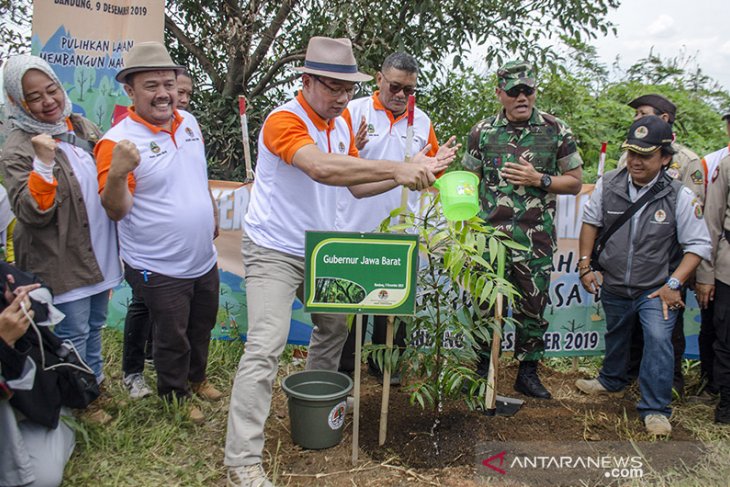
695	27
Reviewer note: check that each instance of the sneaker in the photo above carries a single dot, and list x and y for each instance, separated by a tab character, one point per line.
248	476
657	425
593	387
136	386
97	416
196	415
205	390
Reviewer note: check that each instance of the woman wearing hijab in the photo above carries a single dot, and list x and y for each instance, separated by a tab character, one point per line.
62	232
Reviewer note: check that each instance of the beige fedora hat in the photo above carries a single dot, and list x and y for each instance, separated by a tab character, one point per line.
332	58
147	56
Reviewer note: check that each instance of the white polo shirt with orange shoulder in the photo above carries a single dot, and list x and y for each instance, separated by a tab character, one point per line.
285	202
169	229
386	140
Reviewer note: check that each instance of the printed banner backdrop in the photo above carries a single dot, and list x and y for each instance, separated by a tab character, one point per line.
576	319
84	41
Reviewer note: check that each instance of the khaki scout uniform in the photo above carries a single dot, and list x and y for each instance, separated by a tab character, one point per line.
717	271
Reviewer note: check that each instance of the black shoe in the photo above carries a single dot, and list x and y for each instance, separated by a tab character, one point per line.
373	369
722	411
528	383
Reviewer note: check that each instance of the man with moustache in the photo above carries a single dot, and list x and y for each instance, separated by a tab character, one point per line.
153	181
383	123
645	264
305	150
524	157
685	167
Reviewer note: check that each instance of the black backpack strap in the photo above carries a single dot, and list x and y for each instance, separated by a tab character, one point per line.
77	141
649	196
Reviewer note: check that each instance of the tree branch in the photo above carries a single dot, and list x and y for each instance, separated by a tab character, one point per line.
264	81
196	51
267	38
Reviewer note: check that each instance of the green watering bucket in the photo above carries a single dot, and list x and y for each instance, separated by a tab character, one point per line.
317	406
459	194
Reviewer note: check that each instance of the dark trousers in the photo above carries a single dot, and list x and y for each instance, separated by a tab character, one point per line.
184	313
679	342
137	335
706	341
380	327
721	347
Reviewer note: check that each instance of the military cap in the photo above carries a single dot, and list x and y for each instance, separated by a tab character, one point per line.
649	134
726	116
657	101
515	73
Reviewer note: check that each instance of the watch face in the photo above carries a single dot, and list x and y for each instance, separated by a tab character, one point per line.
546	180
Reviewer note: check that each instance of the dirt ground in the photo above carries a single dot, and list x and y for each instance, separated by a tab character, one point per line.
410	455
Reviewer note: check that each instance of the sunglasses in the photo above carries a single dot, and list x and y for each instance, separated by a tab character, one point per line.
395	88
515	91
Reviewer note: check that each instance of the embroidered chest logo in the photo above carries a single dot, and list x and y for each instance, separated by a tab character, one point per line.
660	216
189	131
371	129
154	148
341	146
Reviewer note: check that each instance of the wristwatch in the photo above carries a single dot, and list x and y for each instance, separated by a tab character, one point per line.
674	284
545	181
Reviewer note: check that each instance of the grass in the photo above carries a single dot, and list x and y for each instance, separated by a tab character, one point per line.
149	443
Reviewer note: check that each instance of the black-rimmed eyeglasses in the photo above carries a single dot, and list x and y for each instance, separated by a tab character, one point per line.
337	92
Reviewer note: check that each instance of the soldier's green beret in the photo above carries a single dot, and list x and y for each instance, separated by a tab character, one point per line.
515	73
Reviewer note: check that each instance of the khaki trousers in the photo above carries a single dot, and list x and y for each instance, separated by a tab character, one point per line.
273	279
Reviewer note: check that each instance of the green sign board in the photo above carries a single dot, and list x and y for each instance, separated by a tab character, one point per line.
360	273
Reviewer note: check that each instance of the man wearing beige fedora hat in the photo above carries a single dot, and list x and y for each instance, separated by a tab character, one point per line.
153	181
305	150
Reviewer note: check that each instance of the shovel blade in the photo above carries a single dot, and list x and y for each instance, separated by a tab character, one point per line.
505	406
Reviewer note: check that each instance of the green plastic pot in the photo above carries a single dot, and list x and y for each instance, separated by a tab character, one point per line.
317	407
459	194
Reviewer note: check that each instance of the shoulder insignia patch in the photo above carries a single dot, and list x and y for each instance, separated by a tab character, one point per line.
673	172
697	177
698	212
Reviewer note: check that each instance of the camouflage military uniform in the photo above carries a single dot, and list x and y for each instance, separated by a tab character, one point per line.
686	167
527	214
